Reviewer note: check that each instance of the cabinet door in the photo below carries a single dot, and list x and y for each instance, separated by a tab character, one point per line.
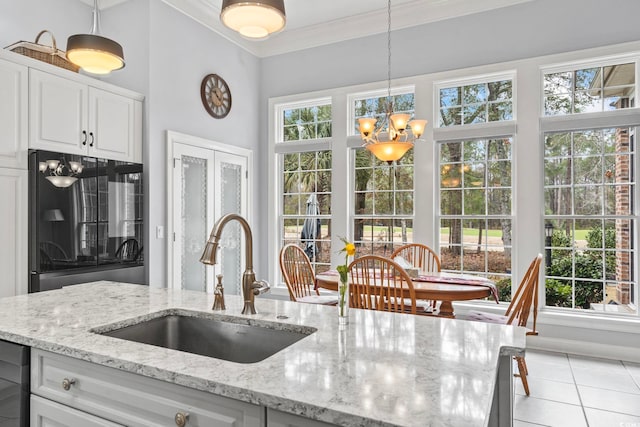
13	115
112	125
45	413
13	229
57	113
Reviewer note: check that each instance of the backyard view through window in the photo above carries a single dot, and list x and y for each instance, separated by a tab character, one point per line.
305	211
589	188
589	192
475	209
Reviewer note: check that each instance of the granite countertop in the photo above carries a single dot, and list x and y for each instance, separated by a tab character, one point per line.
383	369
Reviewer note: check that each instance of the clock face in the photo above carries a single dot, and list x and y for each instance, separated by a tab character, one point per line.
216	96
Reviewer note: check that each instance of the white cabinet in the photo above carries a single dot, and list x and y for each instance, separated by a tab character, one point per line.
45	413
13	115
73	117
131	399
13	229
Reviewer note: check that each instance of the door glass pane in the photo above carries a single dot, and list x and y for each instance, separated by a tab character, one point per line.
194	207
231	248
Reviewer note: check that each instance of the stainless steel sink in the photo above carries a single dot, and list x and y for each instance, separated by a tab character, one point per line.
213	337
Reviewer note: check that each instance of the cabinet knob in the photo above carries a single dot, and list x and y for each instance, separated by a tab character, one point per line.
181	419
67	383
84	134
91	135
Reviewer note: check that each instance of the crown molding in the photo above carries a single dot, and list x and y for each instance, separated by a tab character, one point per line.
405	15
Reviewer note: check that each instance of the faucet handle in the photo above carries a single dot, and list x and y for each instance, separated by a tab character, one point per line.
260	287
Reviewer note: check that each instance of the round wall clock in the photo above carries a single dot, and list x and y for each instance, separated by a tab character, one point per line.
216	96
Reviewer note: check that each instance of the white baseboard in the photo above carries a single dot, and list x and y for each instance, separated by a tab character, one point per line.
591	349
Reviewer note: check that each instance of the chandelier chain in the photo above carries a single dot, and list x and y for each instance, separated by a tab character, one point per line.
389	104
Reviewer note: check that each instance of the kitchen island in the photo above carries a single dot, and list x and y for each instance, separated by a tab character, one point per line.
383	369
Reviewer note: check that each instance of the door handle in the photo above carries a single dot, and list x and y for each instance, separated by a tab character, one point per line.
91	135
84	141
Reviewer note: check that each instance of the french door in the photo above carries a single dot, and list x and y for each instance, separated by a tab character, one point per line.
207	181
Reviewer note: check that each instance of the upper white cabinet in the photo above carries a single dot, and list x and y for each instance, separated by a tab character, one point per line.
13	115
76	118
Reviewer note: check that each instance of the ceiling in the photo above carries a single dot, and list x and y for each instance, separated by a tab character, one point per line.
313	23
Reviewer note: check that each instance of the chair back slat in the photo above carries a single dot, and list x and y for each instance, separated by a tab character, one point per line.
420	256
297	271
525	299
378	283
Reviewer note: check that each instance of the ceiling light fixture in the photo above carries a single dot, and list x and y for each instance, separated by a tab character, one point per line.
60	173
253	19
92	52
392	143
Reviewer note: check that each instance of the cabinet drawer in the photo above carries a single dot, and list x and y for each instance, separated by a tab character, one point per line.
132	399
47	413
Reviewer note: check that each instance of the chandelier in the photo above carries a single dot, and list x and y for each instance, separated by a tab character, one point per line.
392	143
61	173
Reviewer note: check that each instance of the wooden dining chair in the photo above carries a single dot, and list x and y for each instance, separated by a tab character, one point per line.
378	283
422	257
523	303
299	277
419	255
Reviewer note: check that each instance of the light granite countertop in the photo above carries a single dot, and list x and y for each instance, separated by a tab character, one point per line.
383	369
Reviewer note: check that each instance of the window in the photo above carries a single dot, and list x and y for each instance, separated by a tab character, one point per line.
475	186
309	122
305	173
590	168
475	103
589	183
475	208
382	193
589	89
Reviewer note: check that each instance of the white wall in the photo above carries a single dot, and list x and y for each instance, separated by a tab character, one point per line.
182	52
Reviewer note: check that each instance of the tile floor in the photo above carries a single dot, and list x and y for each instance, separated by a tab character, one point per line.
578	391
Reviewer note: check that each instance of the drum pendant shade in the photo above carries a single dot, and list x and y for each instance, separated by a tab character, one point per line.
95	54
253	19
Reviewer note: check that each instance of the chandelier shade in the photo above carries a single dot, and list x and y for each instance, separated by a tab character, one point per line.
253	19
389	151
94	53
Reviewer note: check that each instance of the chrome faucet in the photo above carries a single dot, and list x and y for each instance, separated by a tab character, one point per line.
250	286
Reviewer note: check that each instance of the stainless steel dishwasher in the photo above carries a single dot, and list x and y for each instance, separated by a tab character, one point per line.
14	385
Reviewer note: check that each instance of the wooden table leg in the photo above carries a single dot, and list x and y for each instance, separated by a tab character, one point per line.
446	309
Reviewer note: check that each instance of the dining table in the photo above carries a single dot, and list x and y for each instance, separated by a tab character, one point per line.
434	286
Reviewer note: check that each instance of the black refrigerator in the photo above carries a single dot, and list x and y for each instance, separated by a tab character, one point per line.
86	220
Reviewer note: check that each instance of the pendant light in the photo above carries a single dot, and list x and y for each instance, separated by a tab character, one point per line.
390	144
253	19
94	53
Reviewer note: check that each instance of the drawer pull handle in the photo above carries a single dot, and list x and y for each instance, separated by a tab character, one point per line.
181	419
67	383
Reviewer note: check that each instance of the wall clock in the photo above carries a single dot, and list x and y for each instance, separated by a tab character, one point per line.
216	96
